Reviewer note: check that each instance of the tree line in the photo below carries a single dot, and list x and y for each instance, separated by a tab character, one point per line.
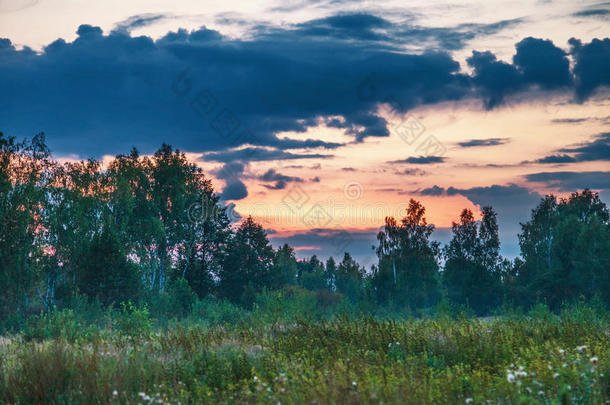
126	232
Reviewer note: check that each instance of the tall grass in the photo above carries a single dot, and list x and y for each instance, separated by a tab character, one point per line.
274	354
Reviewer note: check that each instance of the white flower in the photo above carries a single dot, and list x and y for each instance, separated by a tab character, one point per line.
115	393
550	367
581	349
594	360
354	383
469	400
540	393
255	378
561	351
510	377
556	375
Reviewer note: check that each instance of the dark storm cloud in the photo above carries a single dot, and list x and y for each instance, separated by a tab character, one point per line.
200	90
234	188
280	180
422	160
139	21
592	65
556	159
257	154
483	142
234	191
595	150
572	181
434	190
538	63
347	26
454	38
568	120
596	13
205	92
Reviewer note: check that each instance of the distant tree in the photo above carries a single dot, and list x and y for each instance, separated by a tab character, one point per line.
349	277
247	266
24	175
312	274
176	185
330	274
472	262
284	267
566	250
105	273
408	271
134	213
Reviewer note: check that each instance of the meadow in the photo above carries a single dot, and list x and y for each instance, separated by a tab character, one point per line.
287	350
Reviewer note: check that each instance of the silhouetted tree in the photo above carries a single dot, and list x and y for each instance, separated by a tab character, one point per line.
247	266
472	262
566	250
284	267
408	271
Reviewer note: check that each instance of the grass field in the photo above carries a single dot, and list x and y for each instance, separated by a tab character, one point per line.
538	357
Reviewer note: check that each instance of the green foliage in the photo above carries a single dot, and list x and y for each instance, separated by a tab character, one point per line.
472	274
62	325
216	312
176	301
132	323
566	251
538	358
408	268
248	264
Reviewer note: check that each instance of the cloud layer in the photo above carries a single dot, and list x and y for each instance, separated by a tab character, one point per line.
205	92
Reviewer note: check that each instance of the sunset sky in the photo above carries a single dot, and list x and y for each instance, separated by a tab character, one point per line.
320	118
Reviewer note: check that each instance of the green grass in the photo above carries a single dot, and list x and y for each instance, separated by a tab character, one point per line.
269	358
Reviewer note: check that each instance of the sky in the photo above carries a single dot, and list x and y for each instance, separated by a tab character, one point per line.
321	118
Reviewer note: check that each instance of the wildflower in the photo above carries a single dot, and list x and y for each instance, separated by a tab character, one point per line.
469	400
255	378
540	393
556	375
354	383
115	393
594	360
510	377
550	367
561	351
581	349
